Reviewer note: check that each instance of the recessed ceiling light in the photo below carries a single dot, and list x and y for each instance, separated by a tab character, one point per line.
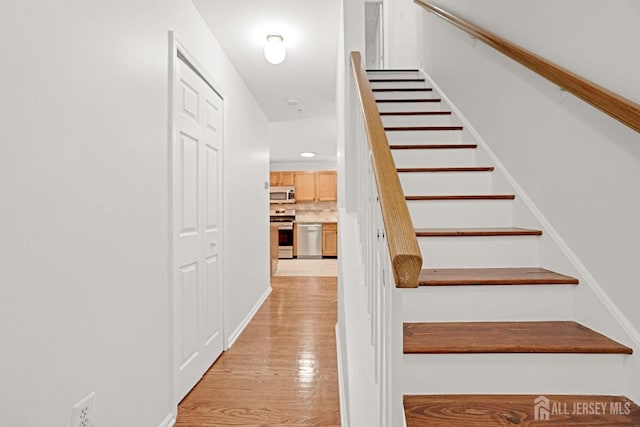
293	102
307	154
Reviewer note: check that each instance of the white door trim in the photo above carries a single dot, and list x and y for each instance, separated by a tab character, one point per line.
177	48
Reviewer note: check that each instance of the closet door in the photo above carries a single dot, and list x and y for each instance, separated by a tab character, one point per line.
197	214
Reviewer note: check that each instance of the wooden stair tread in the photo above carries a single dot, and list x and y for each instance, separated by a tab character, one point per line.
392	70
433	147
517	410
420	128
476	232
376	80
506	337
451	169
464	197
403	89
416	113
493	276
409	100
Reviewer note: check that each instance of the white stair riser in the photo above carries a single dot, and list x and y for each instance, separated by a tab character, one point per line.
434	158
535	374
396	85
422	120
433	183
461	213
417	94
425	137
487	303
408	106
474	252
394	75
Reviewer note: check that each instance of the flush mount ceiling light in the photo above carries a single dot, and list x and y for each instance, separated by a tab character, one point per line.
307	154
274	50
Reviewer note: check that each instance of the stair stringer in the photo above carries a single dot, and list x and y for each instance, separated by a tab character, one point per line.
591	306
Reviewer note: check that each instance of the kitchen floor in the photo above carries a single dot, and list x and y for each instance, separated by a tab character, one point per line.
326	267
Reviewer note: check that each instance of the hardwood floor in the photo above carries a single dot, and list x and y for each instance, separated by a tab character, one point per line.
519	410
282	371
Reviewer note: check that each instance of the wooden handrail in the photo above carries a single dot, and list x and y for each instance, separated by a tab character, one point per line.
406	259
618	107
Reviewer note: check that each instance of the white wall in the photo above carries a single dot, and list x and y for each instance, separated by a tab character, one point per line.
247	206
580	167
303	166
289	138
84	294
357	388
341	336
402	36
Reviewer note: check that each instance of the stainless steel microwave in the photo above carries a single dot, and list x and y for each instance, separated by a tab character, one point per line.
282	195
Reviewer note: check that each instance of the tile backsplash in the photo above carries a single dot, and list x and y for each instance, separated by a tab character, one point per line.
311	211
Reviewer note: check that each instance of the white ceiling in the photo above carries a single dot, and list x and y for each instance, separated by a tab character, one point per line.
310	31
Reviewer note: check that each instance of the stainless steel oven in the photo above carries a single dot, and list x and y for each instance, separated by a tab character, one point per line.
284	218
285	240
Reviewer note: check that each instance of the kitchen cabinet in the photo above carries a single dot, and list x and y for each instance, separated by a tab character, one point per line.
326	186
281	179
274	178
330	239
320	186
274	241
305	183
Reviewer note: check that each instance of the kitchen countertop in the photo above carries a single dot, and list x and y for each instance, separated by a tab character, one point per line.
300	219
312	212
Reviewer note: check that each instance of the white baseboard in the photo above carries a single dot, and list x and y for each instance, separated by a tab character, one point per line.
169	421
342	390
234	336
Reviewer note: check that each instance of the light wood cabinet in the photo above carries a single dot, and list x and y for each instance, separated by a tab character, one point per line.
330	239
326	186
281	179
305	183
274	241
320	186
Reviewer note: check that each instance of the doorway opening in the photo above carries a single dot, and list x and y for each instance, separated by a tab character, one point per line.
374	35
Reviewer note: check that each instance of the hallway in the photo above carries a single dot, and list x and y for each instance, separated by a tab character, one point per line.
282	370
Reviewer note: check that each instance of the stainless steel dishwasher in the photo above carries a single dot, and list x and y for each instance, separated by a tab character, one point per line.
309	240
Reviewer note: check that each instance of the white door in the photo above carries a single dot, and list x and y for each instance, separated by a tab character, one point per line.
197	203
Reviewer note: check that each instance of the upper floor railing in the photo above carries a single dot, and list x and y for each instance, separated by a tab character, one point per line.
398	231
618	107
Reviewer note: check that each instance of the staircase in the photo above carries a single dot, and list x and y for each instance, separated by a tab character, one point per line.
488	337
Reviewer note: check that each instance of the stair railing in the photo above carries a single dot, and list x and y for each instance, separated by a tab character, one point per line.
390	253
616	106
380	192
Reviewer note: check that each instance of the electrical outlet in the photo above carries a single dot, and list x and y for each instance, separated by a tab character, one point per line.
83	412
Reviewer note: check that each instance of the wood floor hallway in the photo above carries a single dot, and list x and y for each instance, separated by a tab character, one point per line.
282	370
